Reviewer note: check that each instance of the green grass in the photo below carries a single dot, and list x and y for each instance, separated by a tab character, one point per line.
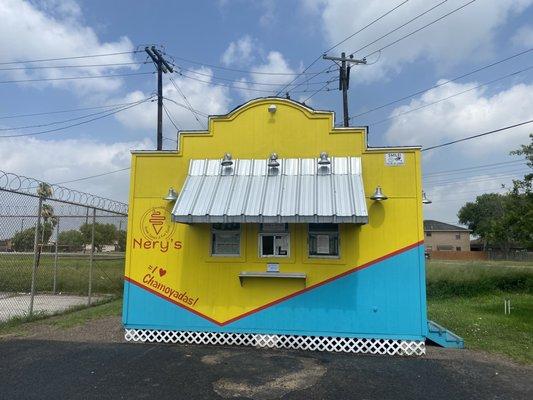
72	273
73	317
467	298
447	279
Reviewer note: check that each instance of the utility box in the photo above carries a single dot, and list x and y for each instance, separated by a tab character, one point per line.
275	228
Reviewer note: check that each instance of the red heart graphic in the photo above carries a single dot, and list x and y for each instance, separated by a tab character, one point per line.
162	271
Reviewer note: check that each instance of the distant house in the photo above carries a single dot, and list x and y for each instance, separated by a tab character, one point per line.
440	236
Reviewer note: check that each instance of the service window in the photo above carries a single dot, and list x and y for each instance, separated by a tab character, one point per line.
323	240
274	240
226	240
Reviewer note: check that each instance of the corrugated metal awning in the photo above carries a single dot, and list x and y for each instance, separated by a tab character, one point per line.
298	191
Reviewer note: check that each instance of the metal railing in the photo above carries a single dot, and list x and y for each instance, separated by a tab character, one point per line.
59	248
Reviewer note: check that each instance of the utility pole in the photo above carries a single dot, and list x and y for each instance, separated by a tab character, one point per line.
162	67
344	78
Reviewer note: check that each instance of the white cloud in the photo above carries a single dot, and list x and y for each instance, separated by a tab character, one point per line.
523	37
203	96
468	33
468	114
62	160
54	29
261	81
239	52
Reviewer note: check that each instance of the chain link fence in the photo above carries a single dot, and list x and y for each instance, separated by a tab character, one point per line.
59	248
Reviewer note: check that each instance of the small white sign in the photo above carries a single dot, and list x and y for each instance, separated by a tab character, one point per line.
272	267
393	159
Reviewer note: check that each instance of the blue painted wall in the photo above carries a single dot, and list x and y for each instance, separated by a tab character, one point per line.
385	300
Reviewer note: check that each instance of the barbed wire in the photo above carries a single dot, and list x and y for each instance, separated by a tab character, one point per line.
22	184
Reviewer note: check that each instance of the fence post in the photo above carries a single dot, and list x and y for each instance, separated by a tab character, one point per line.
35	254
55	257
91	259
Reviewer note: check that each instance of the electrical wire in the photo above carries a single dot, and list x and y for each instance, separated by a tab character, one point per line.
185	107
63	121
189	106
62	111
75	66
92	176
443	83
78	123
449	97
66	78
421	28
72	57
478	135
336	45
484	166
170	119
231	80
399	27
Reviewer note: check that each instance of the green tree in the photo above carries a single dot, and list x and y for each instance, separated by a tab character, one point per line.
121	240
487	219
24	240
73	240
103	234
520	210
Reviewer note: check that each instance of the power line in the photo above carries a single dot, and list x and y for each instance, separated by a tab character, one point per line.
170	118
79	123
62	121
232	80
336	45
92	176
189	106
399	27
75	66
77	77
443	83
489	166
478	135
72	57
62	111
449	97
421	28
476	178
251	72
185	107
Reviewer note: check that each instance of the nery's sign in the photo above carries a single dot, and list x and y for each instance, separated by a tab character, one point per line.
156	231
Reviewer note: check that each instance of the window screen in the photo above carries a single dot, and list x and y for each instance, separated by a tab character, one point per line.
323	240
226	240
274	240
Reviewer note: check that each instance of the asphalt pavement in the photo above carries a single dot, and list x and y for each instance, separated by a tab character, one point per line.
42	369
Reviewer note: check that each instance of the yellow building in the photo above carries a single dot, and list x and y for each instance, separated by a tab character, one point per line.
282	231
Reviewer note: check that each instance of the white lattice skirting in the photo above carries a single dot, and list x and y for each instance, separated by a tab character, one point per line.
312	343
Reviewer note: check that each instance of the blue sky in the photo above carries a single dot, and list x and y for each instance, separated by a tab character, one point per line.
268	37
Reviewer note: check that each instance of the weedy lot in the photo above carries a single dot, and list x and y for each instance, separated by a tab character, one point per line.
71	270
468	298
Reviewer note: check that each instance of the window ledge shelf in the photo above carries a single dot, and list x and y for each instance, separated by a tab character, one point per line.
282	275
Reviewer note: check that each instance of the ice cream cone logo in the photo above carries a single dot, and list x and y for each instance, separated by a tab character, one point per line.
157	220
156	224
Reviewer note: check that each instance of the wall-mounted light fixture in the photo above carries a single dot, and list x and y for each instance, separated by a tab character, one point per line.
273	161
378	195
171	195
324	159
226	160
425	199
272	108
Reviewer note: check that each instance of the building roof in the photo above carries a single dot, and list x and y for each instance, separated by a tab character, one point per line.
299	190
432	225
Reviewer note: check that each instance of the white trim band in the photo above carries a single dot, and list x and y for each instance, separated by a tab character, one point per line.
311	343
